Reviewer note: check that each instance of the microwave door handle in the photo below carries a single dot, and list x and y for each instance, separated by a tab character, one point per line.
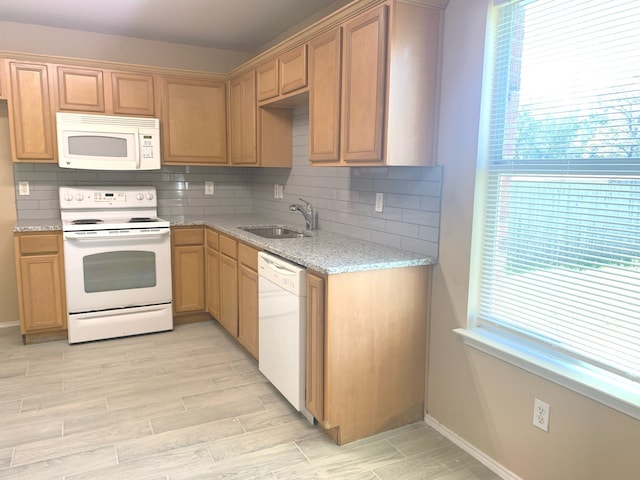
138	150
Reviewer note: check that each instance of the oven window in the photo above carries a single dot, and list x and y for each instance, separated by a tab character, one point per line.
98	145
121	270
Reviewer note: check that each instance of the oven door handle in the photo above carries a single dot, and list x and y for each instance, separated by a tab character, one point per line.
115	234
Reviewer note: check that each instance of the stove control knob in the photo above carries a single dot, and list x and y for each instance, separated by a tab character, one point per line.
139	196
68	196
79	196
149	196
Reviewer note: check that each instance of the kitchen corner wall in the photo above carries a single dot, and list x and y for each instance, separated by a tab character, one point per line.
343	198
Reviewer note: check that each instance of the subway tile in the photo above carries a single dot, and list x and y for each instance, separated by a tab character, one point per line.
421	218
430	234
404	229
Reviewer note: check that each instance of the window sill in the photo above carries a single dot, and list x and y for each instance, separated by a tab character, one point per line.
600	385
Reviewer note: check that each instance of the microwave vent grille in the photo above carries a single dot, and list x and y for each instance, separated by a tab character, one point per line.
86	119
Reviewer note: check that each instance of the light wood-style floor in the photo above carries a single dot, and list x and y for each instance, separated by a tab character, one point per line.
187	404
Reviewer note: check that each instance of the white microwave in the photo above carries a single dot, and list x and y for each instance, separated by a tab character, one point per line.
103	142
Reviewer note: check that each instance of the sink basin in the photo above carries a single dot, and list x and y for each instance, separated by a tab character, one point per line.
274	232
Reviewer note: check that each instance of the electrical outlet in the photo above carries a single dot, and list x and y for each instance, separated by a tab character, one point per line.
208	188
23	188
278	191
379	201
541	415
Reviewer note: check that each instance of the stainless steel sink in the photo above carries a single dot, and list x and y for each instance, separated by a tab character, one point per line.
274	232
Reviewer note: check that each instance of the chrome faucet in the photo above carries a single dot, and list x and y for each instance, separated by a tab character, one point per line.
307	212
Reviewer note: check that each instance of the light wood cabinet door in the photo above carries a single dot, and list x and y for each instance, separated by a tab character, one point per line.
133	93
243	123
324	97
248	298
292	70
363	85
40	271
30	115
212	271
188	273
267	80
315	346
229	294
188	270
80	89
248	309
193	121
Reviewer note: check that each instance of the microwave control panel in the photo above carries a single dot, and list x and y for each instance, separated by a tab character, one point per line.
147	146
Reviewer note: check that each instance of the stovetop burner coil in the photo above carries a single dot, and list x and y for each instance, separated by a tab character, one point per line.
87	221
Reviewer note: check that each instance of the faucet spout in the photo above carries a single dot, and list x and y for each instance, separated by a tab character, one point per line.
307	213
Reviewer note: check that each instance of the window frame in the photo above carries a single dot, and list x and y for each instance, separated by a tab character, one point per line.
601	385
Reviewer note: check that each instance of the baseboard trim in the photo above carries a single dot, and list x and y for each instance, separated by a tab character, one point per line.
482	457
5	326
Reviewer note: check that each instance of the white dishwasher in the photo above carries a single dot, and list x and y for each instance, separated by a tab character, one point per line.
282	327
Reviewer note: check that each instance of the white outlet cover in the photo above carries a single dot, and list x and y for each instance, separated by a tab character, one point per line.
208	188
541	415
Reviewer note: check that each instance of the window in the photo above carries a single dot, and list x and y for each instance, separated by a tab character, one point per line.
558	235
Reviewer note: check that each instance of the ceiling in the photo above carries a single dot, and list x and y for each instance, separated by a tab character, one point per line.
241	25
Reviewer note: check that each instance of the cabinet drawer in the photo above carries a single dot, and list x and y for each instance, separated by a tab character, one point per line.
248	256
228	246
188	236
35	244
212	239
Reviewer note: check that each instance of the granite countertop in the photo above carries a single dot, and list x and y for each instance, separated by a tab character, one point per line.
324	252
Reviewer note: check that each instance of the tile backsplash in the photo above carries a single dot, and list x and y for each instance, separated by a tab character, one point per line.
344	198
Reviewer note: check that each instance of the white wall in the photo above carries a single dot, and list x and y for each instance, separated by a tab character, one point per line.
36	39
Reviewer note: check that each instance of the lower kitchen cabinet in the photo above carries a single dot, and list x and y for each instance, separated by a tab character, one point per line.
187	258
41	286
232	287
366	350
248	298
229	284
212	272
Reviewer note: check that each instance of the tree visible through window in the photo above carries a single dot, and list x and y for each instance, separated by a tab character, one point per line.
561	228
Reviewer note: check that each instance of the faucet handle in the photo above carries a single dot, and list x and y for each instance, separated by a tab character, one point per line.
308	204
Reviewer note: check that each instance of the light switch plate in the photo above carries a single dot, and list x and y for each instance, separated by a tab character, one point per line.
379	201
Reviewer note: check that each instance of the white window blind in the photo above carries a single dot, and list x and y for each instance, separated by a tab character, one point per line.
561	228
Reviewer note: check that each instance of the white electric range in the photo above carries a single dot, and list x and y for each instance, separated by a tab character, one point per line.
117	257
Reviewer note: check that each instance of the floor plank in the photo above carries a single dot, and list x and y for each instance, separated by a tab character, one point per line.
187	404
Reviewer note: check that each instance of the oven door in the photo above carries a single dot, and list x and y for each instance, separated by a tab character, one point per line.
110	269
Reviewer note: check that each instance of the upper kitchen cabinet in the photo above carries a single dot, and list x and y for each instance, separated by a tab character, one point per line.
194	129
133	93
324	97
3	81
30	112
258	136
243	143
373	88
104	91
283	76
80	89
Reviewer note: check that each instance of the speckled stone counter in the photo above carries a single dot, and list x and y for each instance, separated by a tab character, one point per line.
37	226
324	252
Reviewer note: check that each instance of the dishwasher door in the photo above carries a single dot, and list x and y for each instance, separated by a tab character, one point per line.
282	327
